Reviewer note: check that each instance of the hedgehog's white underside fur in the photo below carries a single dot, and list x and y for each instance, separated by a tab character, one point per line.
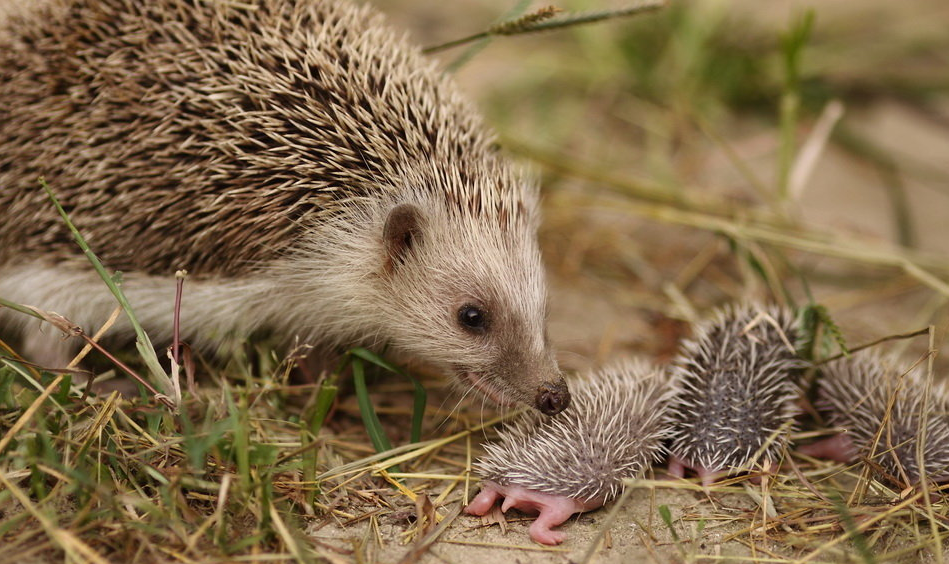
612	430
880	406
264	146
220	309
735	387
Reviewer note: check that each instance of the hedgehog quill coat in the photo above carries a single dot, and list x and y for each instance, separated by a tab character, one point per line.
881	408
316	176
612	430
736	386
577	460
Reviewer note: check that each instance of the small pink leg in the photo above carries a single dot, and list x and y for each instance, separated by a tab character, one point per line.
838	448
484	501
707	476
676	467
540	529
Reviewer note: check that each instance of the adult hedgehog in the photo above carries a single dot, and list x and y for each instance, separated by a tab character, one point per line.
316	176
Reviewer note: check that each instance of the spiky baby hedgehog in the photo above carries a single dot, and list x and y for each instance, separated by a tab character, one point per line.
735	385
576	461
316	176
879	402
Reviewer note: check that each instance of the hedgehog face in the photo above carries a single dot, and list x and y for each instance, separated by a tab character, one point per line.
472	301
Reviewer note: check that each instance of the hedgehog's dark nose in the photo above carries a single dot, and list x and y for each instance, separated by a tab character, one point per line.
552	398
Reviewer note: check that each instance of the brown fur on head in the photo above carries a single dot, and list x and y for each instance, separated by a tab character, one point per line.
310	169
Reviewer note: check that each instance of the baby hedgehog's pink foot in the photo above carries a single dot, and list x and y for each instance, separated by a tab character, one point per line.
677	468
838	448
551	510
484	501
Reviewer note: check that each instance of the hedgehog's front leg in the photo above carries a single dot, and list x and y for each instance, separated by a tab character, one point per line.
485	500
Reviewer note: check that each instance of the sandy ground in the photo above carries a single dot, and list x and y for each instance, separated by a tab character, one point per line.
638	535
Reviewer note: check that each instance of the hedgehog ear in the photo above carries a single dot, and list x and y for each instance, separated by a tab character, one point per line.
401	232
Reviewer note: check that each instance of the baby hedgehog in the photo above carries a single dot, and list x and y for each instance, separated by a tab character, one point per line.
735	385
314	173
576	461
880	407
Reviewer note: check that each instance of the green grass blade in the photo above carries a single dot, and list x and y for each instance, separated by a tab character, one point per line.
378	437
792	44
850	526
666	516
325	397
321	407
372	357
420	395
19	308
142	342
238	422
481	40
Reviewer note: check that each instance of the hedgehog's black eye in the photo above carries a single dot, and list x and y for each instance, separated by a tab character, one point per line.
473	319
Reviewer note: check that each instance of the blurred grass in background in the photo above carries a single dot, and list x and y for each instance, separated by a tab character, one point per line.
715	107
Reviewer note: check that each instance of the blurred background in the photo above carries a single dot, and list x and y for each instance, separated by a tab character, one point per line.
711	151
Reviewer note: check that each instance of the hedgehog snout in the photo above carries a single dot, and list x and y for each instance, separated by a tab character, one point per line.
552	397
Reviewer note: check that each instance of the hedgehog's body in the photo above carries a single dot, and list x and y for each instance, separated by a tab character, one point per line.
313	173
736	386
577	460
880	407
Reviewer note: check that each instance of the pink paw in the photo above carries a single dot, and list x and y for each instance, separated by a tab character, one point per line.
551	510
838	448
677	468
